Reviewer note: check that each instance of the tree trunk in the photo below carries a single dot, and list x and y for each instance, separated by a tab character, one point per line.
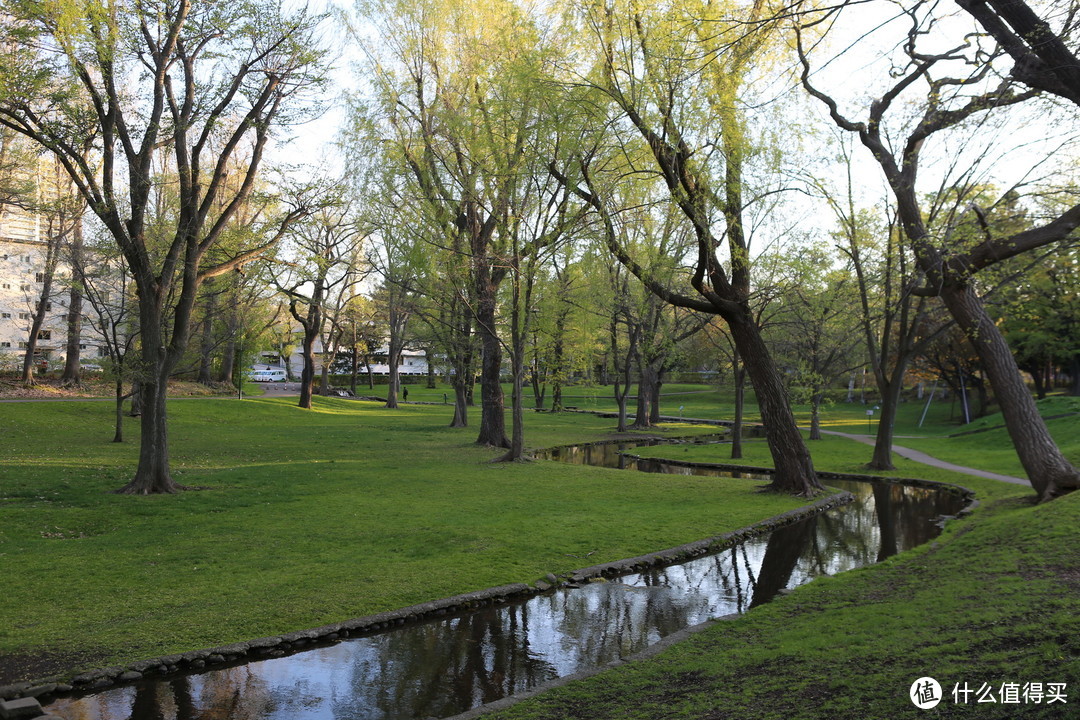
654	404
1047	469
739	373
492	418
461	405
354	368
890	403
307	375
815	416
35	327
152	475
73	355
118	436
794	467
136	399
557	370
642	415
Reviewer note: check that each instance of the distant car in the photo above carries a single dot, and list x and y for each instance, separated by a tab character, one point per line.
89	367
276	375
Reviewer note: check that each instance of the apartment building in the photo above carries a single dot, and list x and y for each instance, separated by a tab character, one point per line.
23	266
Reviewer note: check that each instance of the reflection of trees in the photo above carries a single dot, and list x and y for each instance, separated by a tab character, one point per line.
439	669
786	545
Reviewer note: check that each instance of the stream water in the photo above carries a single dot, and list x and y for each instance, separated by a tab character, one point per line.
445	666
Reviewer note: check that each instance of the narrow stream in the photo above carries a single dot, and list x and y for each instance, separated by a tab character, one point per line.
445	666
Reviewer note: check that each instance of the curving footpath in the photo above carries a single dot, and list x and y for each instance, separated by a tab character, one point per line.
921	457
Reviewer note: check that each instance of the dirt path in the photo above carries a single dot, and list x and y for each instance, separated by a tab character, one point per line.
925	459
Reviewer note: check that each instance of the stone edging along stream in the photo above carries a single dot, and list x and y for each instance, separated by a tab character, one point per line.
292	642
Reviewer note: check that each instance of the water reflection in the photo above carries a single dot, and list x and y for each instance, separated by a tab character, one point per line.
444	667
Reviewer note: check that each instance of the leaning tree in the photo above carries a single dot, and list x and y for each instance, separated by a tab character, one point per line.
957	91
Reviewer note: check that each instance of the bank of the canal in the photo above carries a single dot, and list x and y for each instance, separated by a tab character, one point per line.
442	666
987	610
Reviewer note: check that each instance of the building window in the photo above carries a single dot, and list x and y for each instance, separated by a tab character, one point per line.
22	345
101	352
24	287
24	316
44	335
26	258
39	277
5	344
7	286
6	316
48	307
82	347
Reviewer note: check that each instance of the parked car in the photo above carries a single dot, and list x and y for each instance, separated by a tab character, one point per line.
273	375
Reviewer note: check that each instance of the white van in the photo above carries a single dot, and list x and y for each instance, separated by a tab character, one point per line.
273	375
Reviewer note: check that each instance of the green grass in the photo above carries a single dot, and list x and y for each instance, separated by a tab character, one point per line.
303	518
991	601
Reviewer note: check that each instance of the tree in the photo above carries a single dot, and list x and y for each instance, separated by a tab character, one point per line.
674	74
950	103
102	279
185	85
817	328
1040	316
894	321
458	110
60	212
321	275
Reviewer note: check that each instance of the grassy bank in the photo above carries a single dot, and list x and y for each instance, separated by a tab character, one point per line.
300	518
991	601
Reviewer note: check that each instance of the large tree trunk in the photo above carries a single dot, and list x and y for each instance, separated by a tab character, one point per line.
73	354
1047	469
492	417
461	404
646	380
153	475
307	375
890	403
794	467
654	400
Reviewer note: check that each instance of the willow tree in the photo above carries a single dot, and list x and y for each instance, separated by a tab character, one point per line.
457	104
163	93
676	74
958	92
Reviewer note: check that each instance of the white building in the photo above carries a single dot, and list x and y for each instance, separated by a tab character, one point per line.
411	362
23	253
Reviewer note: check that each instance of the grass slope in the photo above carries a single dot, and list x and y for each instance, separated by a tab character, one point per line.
301	518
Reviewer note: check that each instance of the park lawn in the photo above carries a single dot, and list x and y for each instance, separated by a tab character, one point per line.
991	449
301	518
990	601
